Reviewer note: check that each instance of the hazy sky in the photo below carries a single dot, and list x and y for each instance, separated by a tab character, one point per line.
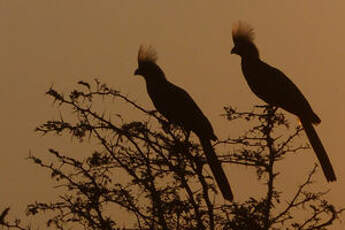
56	42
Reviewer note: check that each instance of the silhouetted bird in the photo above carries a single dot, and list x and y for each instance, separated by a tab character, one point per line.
179	108
272	86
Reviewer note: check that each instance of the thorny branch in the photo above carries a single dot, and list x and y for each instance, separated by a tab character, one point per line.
166	185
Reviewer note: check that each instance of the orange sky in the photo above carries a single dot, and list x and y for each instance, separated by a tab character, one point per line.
46	43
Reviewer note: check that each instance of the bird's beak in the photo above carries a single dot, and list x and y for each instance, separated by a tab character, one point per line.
137	72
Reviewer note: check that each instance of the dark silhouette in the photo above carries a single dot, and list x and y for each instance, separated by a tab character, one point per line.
179	108
276	89
91	191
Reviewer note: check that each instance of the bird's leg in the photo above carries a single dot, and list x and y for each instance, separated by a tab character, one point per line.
274	109
271	110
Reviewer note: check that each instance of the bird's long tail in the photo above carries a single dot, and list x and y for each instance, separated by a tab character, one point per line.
216	168
319	150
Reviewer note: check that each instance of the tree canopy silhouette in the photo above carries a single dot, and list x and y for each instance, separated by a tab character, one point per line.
148	168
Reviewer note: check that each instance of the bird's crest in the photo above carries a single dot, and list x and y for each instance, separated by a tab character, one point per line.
147	54
242	32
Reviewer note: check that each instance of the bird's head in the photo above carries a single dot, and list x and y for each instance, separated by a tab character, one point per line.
243	38
147	66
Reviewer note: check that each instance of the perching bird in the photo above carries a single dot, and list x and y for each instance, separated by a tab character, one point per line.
179	108
276	89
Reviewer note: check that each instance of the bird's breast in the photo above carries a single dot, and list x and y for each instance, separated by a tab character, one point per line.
258	80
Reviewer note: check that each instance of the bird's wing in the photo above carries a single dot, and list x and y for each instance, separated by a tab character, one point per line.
178	107
275	88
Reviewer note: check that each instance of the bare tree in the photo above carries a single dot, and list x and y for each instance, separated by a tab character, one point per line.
164	182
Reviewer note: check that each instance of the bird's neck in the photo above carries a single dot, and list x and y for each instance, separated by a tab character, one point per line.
249	68
155	82
157	78
252	55
249	60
